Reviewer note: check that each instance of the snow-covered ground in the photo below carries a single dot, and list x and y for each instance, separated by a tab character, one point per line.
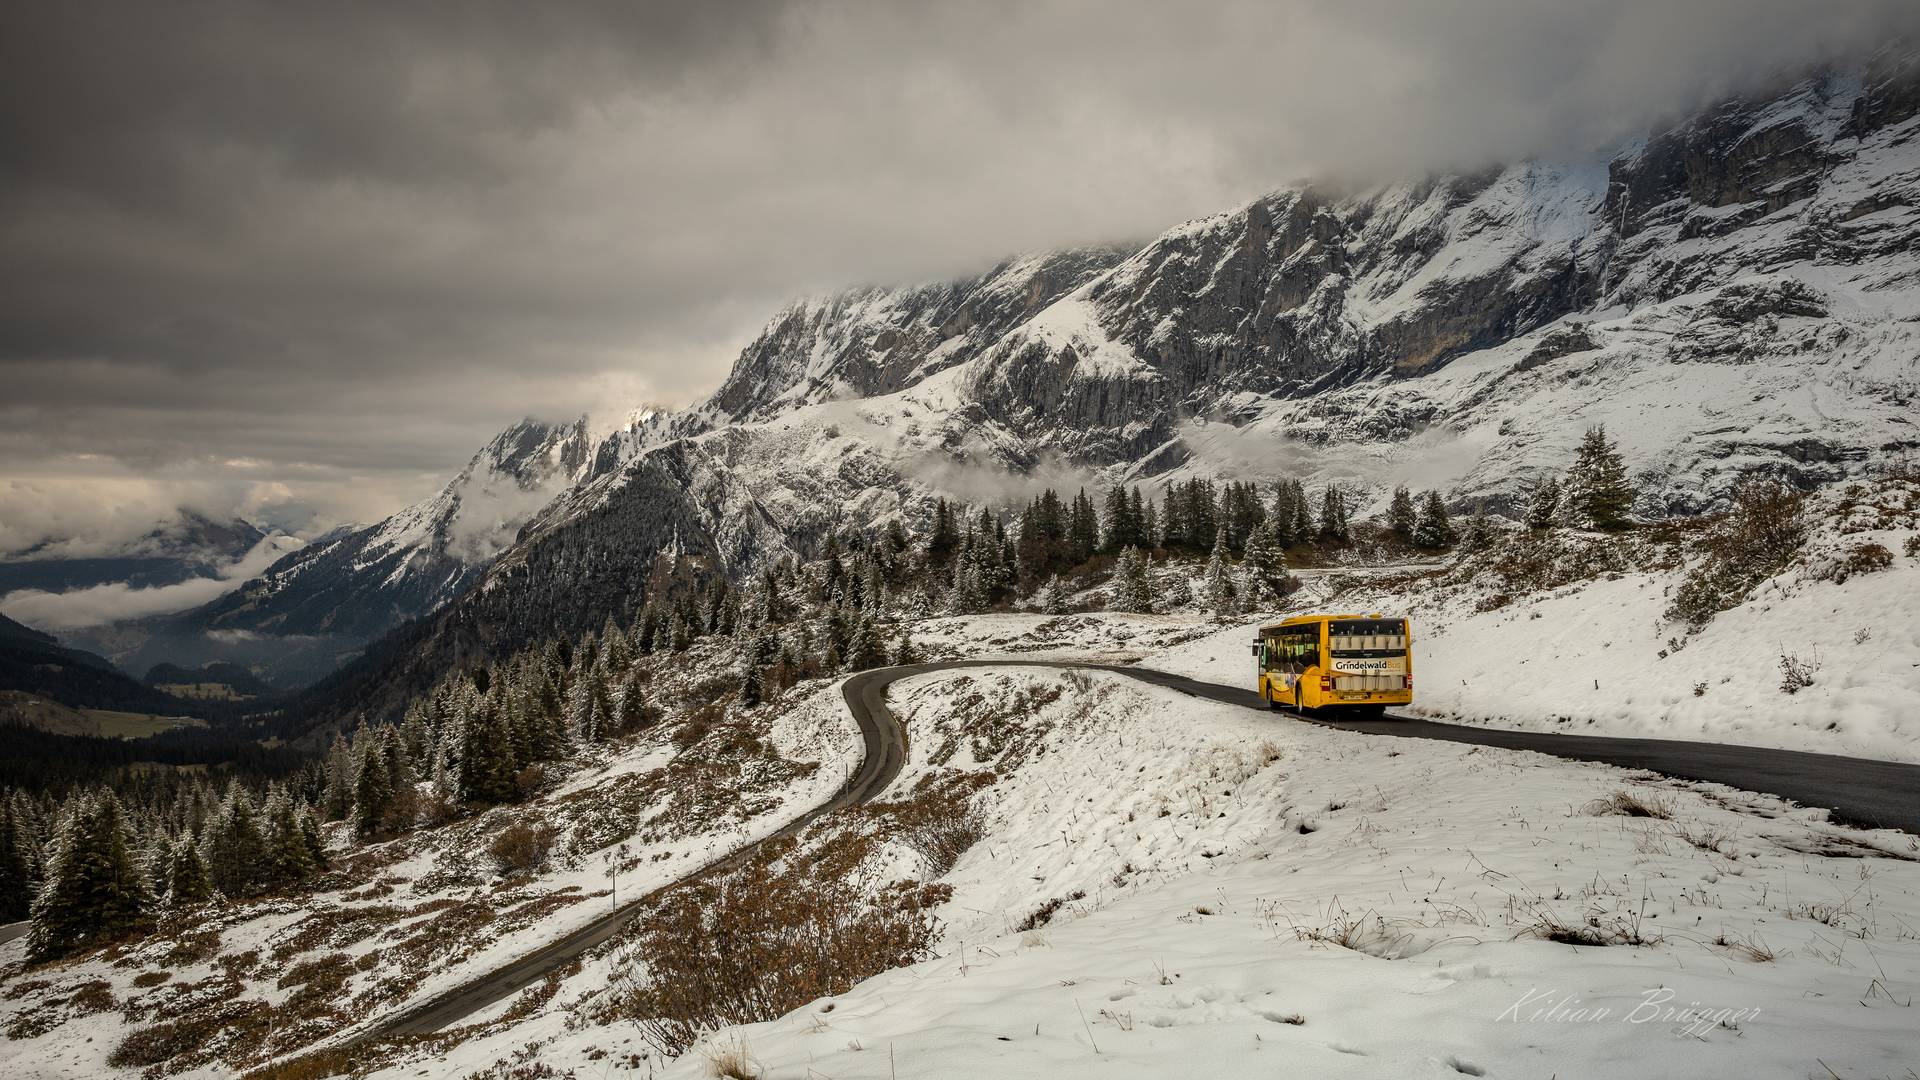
1598	656
415	916
1247	896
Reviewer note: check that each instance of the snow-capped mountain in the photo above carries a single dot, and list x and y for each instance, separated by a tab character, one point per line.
1736	292
189	545
319	605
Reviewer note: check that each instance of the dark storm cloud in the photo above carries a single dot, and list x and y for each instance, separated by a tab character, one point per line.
313	255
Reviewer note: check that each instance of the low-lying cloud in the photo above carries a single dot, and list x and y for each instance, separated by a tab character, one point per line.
116	601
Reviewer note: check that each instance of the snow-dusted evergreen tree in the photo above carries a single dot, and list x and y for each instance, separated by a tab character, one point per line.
1251	590
288	853
236	849
18	857
93	885
372	786
1596	494
187	882
865	650
1303	527
631	708
310	832
1132	590
1401	516
1333	516
590	707
1543	506
752	684
1267	560
904	651
1051	598
1174	592
1219	576
1434	529
338	799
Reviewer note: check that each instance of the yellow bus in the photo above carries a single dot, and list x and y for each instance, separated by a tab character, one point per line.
1358	663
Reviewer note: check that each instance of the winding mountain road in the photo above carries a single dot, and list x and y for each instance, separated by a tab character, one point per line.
884	752
1859	791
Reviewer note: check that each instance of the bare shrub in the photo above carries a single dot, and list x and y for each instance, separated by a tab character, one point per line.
1796	674
1866	558
940	821
521	848
758	944
529	780
1756	539
1624	803
1044	914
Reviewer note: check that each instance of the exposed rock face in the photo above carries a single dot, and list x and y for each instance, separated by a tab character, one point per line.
875	341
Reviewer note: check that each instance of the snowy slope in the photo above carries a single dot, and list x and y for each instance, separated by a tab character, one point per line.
1243	895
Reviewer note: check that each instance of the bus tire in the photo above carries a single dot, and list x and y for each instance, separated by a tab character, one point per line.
1273	703
1298	709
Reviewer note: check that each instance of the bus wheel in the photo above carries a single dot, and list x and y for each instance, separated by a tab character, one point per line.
1298	709
1272	702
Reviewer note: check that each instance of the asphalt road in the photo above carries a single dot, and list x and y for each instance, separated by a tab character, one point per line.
1857	790
885	752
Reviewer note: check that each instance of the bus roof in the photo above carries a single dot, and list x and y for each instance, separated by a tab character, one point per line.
1301	620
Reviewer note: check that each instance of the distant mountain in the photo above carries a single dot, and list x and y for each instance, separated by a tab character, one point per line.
34	664
190	546
318	606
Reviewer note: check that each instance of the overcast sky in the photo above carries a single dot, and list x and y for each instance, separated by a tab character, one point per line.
299	261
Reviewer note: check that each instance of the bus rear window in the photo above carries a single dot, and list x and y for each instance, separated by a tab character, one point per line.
1367	635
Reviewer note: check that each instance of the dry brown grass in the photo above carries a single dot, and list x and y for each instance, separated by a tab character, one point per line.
1624	803
764	940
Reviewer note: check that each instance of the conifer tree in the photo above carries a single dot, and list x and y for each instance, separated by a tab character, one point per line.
631	715
310	832
1219	577
16	861
287	851
187	882
1434	530
1597	494
1543	507
93	885
1052	597
1267	560
903	650
372	787
751	688
236	850
1132	590
338	801
1302	513
1401	517
865	649
1333	516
